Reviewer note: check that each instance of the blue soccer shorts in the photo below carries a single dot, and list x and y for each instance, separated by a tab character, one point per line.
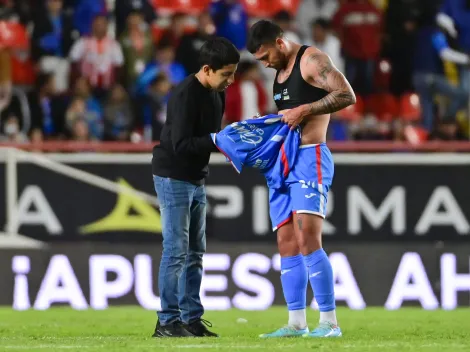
306	186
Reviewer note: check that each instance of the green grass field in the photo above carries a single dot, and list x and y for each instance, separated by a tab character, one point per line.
130	329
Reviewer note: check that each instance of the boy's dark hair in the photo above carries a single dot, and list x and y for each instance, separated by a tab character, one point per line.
217	53
263	32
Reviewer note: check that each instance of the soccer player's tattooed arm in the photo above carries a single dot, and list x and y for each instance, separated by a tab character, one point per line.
323	73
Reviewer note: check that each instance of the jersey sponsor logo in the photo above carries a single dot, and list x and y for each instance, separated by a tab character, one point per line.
261	164
277	97
286	96
249	133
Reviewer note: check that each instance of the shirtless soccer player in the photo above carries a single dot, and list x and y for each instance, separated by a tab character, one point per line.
307	89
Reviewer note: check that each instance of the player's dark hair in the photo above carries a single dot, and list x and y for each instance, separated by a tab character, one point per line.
263	32
217	53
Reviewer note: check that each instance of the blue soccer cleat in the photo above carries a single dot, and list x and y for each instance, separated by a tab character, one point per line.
286	331
325	329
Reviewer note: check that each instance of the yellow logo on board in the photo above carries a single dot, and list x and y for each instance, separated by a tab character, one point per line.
145	217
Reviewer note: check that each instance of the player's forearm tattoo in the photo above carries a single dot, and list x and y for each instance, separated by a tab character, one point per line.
330	79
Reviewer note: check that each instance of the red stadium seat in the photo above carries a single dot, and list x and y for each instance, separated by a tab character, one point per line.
289	5
158	31
185	6
13	36
22	71
410	108
382	105
353	112
382	74
258	8
415	134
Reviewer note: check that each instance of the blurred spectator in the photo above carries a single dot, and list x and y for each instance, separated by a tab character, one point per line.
358	24
246	97
190	43
454	16
400	30
310	10
164	62
118	116
18	107
103	68
36	136
82	90
155	101
137	45
99	58
52	38
5	78
124	8
9	12
16	11
428	73
80	131
231	21
11	131
84	13
284	20
369	129
397	130
323	39
47	111
175	30
77	110
445	130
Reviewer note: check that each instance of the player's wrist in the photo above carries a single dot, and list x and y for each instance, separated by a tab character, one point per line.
305	110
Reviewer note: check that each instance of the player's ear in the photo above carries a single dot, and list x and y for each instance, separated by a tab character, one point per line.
206	69
280	43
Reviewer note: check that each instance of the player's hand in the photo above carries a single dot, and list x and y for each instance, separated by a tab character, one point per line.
293	117
256	116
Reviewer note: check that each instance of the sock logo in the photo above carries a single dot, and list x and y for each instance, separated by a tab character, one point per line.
285	271
310	195
315	274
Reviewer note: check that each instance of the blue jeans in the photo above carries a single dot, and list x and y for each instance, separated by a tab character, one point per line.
427	85
183	215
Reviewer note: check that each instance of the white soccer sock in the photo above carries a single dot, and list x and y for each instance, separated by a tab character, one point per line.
298	318
329	317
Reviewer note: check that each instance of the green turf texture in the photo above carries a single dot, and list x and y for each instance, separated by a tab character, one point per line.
130	328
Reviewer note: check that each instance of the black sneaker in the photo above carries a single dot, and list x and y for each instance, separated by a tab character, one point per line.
175	329
198	328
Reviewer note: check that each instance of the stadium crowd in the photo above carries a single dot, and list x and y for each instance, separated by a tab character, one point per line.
103	70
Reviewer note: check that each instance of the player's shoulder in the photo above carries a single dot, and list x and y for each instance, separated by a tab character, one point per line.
312	55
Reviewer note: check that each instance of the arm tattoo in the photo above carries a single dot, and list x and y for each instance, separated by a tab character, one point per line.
330	79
